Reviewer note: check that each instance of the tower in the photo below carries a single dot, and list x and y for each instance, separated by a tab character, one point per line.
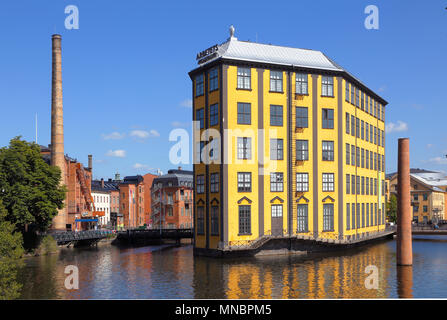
57	123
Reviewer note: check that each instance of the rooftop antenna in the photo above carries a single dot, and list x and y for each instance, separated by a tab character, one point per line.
36	127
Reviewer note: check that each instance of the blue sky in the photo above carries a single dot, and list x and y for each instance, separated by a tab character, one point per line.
125	69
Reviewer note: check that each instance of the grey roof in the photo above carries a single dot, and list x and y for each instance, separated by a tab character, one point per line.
434	179
233	49
108	186
266	53
175	178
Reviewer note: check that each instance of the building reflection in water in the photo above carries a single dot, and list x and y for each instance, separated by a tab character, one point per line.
314	277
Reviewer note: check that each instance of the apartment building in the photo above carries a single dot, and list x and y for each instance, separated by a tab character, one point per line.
286	142
172	200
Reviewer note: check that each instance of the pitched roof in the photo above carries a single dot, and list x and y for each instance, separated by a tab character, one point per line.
236	50
273	54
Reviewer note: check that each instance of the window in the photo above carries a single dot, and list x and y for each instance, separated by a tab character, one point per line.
276	81
276	115
200	220
301	83
244	78
353	155
301	117
348	154
366	131
199	85
363	215
200	117
327	86
243	148
214	82
347	92
276	210
276	149
302	218
328	182
353	216
170	213
214	220
348	216
328	118
357	156
200	184
302	150
198	150
362	131
367	215
352	125
244	181
243	113
363	185
357	127
214	185
357	97
358	216
363	158
302	182
415	197
328	217
352	94
328	150
244	219
366	159
362	106
348	184
425	196
214	114
367	186
347	123
276	182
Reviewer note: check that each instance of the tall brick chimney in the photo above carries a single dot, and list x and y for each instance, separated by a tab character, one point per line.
57	123
90	161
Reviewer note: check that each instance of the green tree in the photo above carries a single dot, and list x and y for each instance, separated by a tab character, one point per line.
11	251
391	208
29	188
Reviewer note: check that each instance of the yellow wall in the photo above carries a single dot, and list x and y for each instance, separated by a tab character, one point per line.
233	96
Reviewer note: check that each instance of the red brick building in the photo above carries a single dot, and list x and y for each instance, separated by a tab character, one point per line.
132	201
148	179
172	200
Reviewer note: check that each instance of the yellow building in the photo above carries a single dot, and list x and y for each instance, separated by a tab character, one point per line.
428	194
286	143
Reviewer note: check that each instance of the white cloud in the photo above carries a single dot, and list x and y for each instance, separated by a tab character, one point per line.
438	160
113	136
143	134
179	124
186	103
140	166
396	127
116	153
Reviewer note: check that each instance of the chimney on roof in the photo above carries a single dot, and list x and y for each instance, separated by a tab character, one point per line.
180	168
90	161
102	183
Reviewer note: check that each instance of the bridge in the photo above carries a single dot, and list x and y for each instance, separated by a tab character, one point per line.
78	238
428	231
144	236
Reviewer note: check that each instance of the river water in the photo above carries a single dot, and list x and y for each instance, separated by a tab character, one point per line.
173	272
